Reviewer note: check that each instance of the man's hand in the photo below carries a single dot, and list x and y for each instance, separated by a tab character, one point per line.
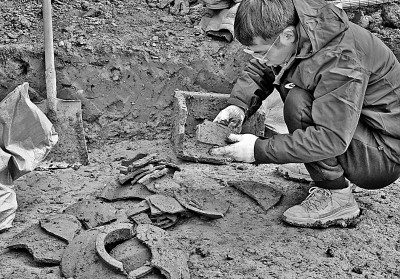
242	150
232	116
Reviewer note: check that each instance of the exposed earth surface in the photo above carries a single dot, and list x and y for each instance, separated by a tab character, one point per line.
124	60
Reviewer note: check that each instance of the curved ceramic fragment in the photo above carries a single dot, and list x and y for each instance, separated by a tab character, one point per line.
140	272
80	259
111	234
132	253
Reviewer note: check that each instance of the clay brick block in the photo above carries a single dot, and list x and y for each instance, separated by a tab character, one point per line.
191	109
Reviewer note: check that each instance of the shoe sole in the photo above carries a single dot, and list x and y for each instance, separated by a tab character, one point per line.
343	218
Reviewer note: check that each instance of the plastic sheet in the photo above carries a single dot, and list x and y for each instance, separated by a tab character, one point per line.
26	137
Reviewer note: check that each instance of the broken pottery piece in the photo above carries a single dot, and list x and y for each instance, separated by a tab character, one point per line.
148	159
111	234
154	211
202	202
212	133
138	156
164	221
64	226
115	191
80	259
141	218
167	255
140	272
124	178
137	209
166	204
162	184
150	170
154	175
295	172
44	248
92	213
264	195
192	150
133	254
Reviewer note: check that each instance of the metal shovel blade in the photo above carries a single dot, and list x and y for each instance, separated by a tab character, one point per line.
66	115
71	147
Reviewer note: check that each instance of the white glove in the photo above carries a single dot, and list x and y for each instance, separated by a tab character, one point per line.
231	116
242	149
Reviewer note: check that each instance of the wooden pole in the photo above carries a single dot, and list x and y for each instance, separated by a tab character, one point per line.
51	88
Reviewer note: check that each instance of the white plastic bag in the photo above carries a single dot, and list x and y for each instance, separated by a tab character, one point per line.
26	137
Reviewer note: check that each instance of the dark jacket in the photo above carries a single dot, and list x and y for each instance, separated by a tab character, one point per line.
352	75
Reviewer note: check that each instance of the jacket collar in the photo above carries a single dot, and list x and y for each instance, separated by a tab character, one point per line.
320	22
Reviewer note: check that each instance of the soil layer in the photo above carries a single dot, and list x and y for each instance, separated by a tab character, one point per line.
124	60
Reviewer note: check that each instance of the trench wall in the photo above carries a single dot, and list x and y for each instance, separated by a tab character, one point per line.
122	95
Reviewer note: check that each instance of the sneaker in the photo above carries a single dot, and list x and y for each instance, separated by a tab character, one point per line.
323	208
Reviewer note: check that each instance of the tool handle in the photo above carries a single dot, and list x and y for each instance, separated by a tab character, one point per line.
51	88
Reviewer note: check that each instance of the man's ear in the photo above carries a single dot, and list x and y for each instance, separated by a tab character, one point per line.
289	35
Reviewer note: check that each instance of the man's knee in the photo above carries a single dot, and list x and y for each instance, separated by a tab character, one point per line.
297	109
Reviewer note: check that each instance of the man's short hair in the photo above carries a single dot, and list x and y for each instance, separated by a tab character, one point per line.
263	18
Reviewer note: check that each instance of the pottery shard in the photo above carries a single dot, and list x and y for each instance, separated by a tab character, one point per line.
202	202
154	211
126	163
92	213
295	172
124	178
166	204
44	248
80	259
164	221
132	253
64	226
212	133
111	234
141	218
150	158
167	255
115	191
137	209
264	195
153	175
162	184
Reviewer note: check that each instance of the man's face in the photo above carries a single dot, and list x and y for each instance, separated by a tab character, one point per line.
275	51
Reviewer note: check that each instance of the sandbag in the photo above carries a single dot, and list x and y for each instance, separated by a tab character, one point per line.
26	138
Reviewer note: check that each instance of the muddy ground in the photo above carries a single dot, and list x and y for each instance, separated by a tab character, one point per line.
124	60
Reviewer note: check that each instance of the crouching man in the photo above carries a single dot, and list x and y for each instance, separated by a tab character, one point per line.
341	91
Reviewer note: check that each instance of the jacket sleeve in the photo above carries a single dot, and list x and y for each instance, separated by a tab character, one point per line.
252	87
339	92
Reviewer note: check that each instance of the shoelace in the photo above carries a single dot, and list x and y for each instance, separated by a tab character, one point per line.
312	201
